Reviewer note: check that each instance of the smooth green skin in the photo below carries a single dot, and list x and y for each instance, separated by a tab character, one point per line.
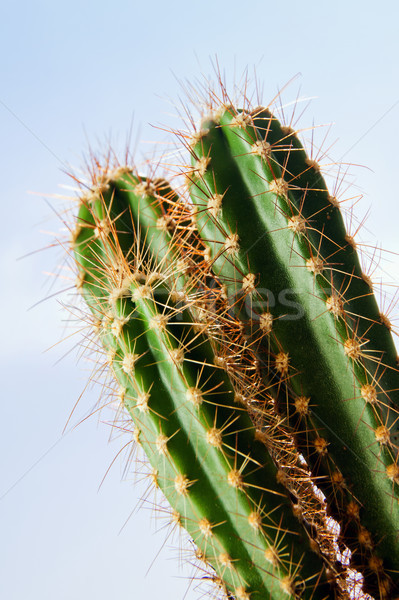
170	413
319	367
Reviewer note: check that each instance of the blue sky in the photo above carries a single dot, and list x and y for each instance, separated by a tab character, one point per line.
75	74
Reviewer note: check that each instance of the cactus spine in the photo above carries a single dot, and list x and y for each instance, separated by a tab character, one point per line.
221	482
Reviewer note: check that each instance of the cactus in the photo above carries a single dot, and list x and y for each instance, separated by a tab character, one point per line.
277	241
247	347
146	301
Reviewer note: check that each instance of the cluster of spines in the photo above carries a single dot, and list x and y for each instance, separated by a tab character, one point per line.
155	320
354	332
234	354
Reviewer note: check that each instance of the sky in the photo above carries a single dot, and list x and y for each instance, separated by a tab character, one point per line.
81	75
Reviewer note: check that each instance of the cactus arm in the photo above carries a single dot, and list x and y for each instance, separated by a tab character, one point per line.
220	481
360	315
235	172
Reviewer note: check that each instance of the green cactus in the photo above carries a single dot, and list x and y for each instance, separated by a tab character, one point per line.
278	243
246	344
145	281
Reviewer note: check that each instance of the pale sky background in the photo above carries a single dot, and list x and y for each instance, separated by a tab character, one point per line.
76	73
